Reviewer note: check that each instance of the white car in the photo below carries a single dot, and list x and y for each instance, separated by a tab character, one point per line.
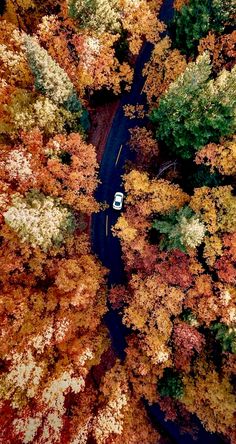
118	200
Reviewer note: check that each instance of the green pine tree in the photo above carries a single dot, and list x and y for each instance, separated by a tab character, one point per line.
197	18
171	384
180	229
226	336
196	110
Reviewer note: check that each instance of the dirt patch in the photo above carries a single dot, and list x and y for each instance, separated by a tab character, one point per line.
101	118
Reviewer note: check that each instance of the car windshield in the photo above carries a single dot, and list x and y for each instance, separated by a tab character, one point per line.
117	204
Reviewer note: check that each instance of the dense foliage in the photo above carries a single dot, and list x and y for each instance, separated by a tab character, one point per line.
181	229
196	110
61	381
178	242
195	19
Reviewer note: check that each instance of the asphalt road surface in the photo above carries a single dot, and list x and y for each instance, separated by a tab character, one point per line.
116	152
105	245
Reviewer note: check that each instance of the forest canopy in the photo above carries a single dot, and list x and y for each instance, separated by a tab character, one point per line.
84	358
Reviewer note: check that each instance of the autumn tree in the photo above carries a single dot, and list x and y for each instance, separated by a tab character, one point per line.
25	110
44	375
163	195
53	293
52	80
137	426
52	303
99	15
145	197
151	300
14	68
175	305
140	21
60	379
225	261
217	209
23	107
92	64
29	217
187	342
221	157
64	168
98	65
164	66
216	416
137	20
179	3
221	48
27	14
145	146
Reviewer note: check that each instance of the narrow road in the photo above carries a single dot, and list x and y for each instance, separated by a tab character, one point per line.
116	152
106	246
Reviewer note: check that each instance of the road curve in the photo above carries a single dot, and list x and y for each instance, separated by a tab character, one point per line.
116	152
105	245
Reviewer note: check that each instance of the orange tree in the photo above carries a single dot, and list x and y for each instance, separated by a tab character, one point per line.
179	303
51	288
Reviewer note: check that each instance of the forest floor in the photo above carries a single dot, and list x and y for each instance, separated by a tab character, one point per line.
101	122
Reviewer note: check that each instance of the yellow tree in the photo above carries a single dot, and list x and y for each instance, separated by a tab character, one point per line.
221	157
98	16
153	195
217	208
211	398
14	68
26	14
139	19
164	66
